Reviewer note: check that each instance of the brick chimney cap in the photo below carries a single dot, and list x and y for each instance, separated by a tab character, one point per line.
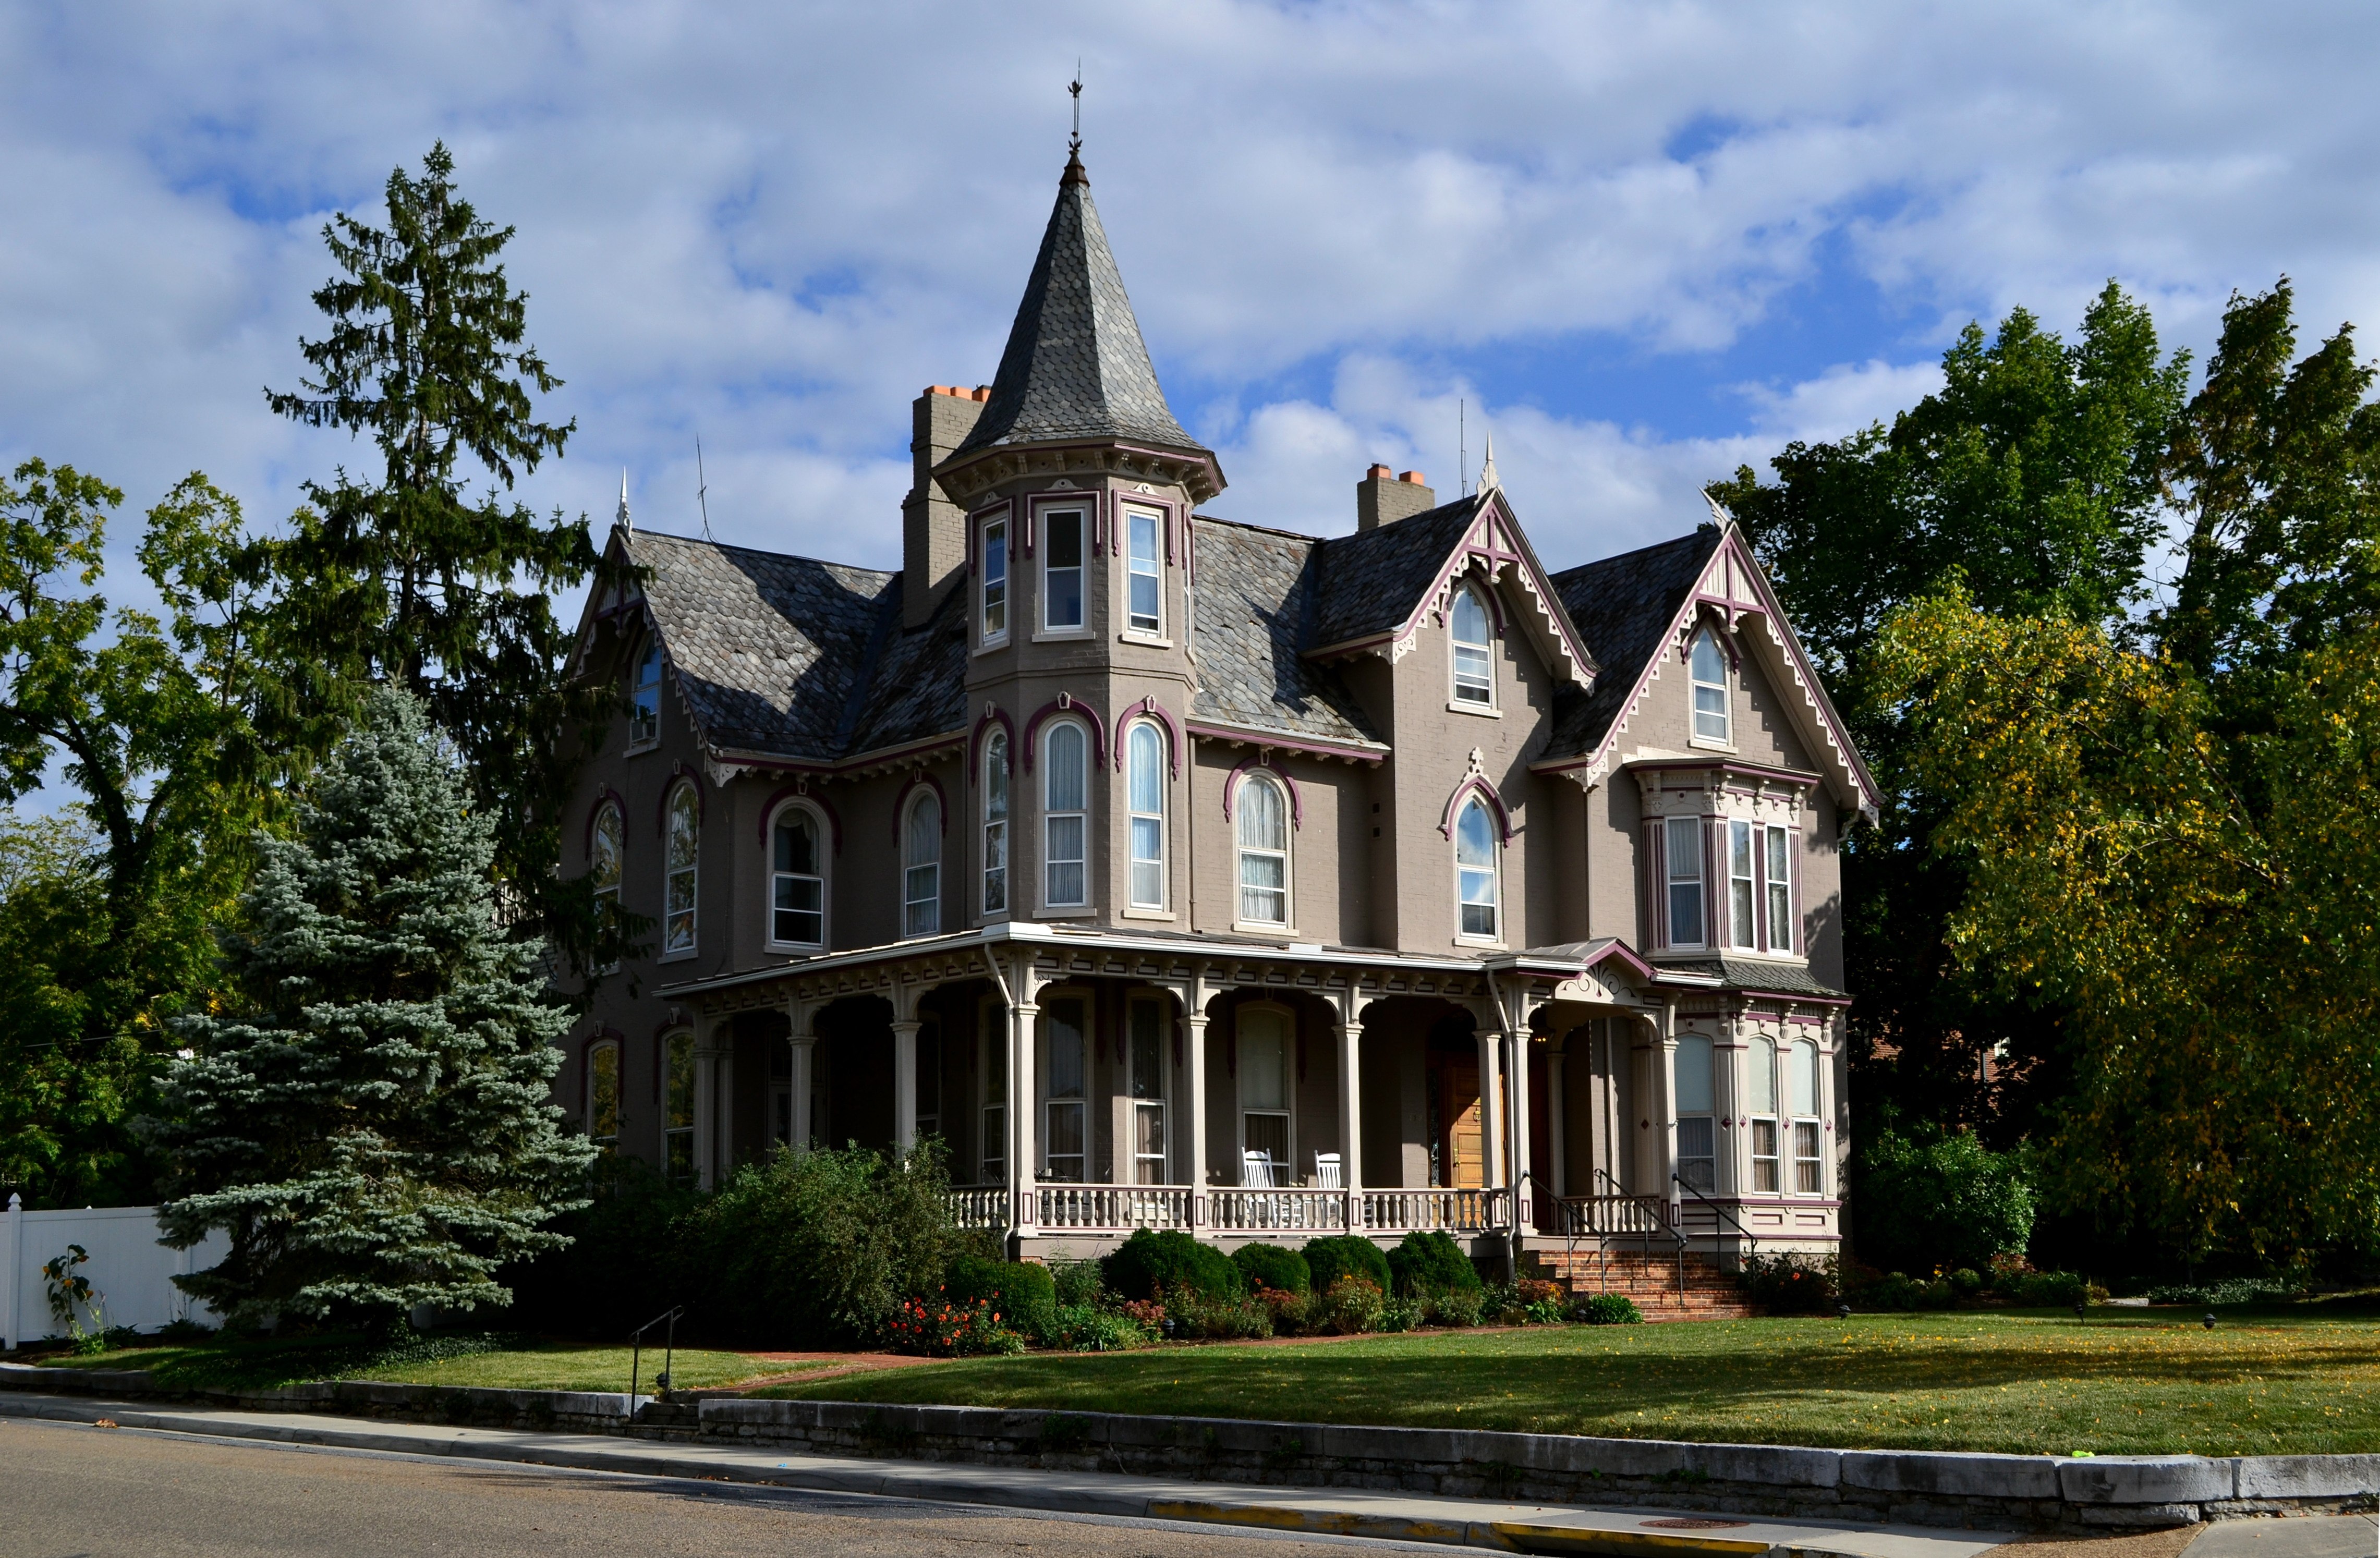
1377	473
1413	476
982	391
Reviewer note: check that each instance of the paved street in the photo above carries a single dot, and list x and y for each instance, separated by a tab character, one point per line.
69	1492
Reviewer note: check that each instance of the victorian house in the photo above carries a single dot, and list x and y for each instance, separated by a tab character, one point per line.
1179	873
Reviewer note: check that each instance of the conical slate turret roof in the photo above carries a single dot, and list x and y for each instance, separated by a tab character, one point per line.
1075	366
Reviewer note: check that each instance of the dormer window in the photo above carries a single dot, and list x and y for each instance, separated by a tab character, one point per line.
1146	608
645	696
1062	569
1472	683
1707	667
993	603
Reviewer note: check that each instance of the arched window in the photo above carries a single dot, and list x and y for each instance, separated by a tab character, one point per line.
604	1094
995	823
679	859
1145	798
1696	1108
1264	851
605	845
1472	683
1761	1069
921	867
1475	869
1802	1095
1707	667
796	880
645	695
1065	798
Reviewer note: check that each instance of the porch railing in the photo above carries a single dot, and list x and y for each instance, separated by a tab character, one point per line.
1456	1212
980	1206
1114	1206
1296	1211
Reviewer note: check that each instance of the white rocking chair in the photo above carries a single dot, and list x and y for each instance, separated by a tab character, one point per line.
1256	1170
1328	1172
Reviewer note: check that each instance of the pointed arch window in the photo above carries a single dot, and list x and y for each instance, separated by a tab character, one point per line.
1145	796
607	844
796	880
995	823
1264	851
645	695
1707	668
921	867
1065	804
1474	682
604	1094
1476	869
681	857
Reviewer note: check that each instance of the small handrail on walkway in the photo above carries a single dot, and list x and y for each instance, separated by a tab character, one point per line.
669	1353
1717	1211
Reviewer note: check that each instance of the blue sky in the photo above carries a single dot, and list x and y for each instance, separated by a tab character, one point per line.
1641	243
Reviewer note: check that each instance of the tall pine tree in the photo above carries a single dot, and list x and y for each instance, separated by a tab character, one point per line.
371	1120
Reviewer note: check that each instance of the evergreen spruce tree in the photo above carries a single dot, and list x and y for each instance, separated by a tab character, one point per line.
369	1119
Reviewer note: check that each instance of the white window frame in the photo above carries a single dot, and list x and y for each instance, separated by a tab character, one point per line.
1286	1171
824	837
1778	889
1138	567
645	696
1276	794
1140	1100
1045	1052
995	589
682	794
1494	871
1761	1057
1721	717
1476	692
921	879
999	792
1080	817
1147	877
1808	1127
1676	881
610	1139
1742	886
607	896
1082	515
1697	1117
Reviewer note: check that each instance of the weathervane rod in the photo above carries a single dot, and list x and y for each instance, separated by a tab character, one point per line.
702	488
1076	89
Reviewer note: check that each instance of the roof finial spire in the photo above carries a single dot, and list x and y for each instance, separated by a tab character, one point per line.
1074	174
1487	481
625	523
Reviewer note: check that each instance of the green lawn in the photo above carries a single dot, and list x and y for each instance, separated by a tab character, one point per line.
532	1366
2025	1382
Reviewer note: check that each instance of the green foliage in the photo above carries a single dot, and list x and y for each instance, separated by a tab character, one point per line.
1086	1328
2037	1290
2230	1290
1344	1255
1154	1264
1933	1197
1609	1309
1236	1316
368	1117
1790	1284
819	1248
1427	1264
1020	1290
1458	1307
1349	1307
1077	1281
1269	1265
619	1267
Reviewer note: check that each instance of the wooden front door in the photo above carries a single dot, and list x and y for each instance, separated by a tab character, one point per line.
1462	1149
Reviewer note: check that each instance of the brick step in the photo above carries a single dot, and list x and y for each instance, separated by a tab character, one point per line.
1651	1283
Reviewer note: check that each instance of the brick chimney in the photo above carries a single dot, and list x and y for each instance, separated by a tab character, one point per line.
1381	499
933	530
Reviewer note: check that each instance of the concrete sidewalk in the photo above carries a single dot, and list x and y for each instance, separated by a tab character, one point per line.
1630	1533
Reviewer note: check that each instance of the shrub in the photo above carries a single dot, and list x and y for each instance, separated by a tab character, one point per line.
1404	1314
2233	1290
1077	1282
1022	1292
1609	1309
1344	1255
1290	1311
1789	1283
938	1327
1083	1328
1944	1200
1236	1317
1899	1290
1352	1306
618	1270
1431	1263
1965	1283
1460	1306
1152	1264
2043	1290
1269	1265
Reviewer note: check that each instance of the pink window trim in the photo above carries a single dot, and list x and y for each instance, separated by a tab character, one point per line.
901	804
605	796
977	738
794	792
1248	766
680	773
1150	708
1476	784
1064	704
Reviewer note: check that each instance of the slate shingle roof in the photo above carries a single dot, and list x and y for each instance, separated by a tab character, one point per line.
1622	606
1742	973
1373	579
1075	366
796	658
1256	599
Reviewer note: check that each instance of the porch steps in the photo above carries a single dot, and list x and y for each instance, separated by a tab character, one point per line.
1650	1281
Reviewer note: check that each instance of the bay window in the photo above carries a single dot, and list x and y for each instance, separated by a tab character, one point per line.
1145	799
1062	569
995	823
1145	608
992	601
1697	1125
1682	852
1065	801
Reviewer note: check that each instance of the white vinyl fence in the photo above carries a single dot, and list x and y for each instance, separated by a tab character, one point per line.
129	1272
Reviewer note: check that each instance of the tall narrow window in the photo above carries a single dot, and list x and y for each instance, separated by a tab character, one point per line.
1740	895
1065	798
1264	851
995	823
645	695
1761	1086
1697	1143
1801	1097
605	847
1264	1056
1145	787
1067	1042
1147	1087
796	881
1475	869
1710	674
921	867
1685	852
994	604
678	1116
1472	683
1780	889
603	1095
994	1071
679	860
1062	569
1146	605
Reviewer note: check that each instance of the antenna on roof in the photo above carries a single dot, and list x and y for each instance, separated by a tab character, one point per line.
702	491
1075	145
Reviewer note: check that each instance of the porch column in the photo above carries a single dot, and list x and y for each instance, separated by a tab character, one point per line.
1194	1099
707	1066
805	1063
905	1086
1525	1189
1556	1103
1024	1098
1491	1041
1351	1115
1665	1083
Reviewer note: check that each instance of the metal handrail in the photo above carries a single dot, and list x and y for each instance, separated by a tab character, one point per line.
669	1354
1659	1216
1717	1211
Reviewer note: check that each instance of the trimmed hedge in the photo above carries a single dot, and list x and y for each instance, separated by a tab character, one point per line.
1271	1266
1431	1263
1344	1255
1022	1291
1149	1262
